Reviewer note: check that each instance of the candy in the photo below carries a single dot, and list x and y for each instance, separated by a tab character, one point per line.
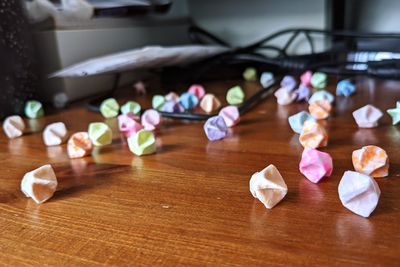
266	79
345	88
315	165
131	107
109	108
268	186
39	184
34	109
79	145
13	126
288	82
172	96
321	95
231	115
235	95
215	128
367	116
158	102
151	119
284	96
313	135
320	109
209	103
359	193
395	113
100	134
319	80
140	88
54	134
197	90
128	125
305	78
297	120
171	106
371	160
142	143
302	93
188	100
250	74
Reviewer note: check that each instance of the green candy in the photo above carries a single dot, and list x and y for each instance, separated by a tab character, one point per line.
158	102
34	109
235	95
319	80
100	134
131	107
109	108
395	113
142	143
250	74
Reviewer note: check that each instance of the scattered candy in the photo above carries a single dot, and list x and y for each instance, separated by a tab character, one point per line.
359	193
266	79
34	109
189	101
39	184
235	95
151	119
367	116
320	109
371	160
268	186
250	74
302	93
395	113
284	96
79	145
197	90
158	102
313	135
231	115
171	106
128	125
142	143
322	95
319	80
13	126
297	120
215	128
305	78
315	165
288	82
109	108
140	88
172	96
210	103
100	134
54	134
131	107
345	88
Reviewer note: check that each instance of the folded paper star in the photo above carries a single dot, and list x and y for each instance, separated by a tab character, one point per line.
268	186
315	165
109	108
319	80
13	126
79	145
284	96
235	95
131	107
171	106
250	74
189	101
209	103
151	120
345	88
297	120
266	79
305	78
215	128
288	82
371	160
197	90
367	116
172	96
313	135
158	102
128	125
231	115
100	134
320	109
322	95
34	109
395	113
142	143
39	184
359	193
302	93
54	134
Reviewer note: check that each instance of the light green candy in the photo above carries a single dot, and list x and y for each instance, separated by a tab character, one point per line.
158	102
34	109
109	108
395	113
250	74
235	95
142	143
131	107
100	134
319	80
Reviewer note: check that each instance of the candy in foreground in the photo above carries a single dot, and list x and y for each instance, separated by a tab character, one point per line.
128	125
319	80
250	74
235	95
100	134
288	82
158	102
371	160
131	107
34	109
297	120
313	135
197	90
13	126
320	109
305	78
231	115
367	116
315	165
395	113
39	184
359	193
321	95
54	134
345	88
109	108
266	79
79	145
188	100
209	103
268	186
151	120
142	143
284	96
215	128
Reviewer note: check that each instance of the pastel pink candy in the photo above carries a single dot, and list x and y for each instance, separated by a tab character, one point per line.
367	116
172	96
151	119
128	125
231	115
284	96
305	78
197	90
315	165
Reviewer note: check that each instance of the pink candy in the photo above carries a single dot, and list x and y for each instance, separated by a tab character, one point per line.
197	90
315	165
305	78
231	115
151	119
128	125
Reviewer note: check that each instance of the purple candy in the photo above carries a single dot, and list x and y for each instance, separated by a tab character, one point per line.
303	93
172	106
215	128
288	82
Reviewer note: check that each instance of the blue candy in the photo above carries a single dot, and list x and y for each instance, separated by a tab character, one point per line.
321	95
345	88
188	100
297	120
303	93
289	82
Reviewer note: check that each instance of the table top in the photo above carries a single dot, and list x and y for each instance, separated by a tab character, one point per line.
189	204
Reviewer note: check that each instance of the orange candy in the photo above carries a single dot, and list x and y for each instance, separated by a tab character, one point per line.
313	135
320	109
371	160
79	145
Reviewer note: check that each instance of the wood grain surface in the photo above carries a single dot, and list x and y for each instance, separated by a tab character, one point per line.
190	205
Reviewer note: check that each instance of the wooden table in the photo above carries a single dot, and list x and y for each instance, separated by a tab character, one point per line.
190	204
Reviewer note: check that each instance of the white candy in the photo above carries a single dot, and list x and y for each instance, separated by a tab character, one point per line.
54	134
13	126
39	184
321	95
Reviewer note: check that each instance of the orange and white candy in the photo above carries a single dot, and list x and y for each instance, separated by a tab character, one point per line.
320	109
79	145
210	103
371	160
313	135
